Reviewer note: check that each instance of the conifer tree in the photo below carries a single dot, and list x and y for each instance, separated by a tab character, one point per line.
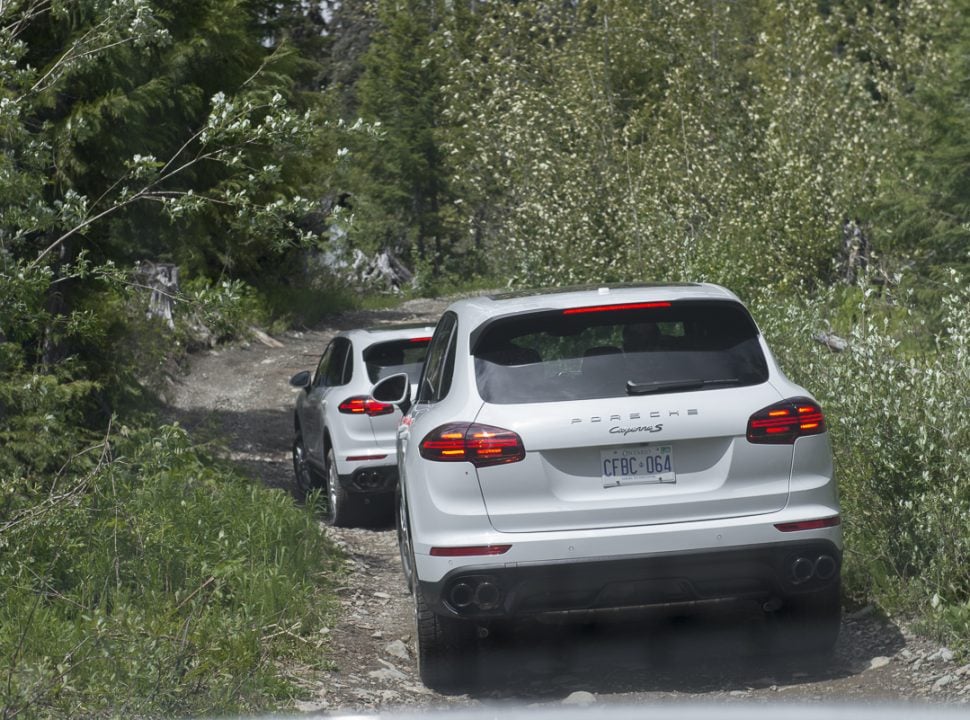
400	188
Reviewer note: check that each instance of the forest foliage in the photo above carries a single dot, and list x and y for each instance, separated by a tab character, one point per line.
258	144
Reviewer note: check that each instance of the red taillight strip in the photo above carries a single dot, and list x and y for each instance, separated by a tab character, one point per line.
809	524
421	339
363	405
355	458
481	445
470	550
777	424
608	308
785	422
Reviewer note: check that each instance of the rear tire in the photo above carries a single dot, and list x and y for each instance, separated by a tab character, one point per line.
442	644
443	648
342	506
404	539
305	478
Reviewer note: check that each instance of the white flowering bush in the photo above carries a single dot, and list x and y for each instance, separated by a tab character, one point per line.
619	141
898	406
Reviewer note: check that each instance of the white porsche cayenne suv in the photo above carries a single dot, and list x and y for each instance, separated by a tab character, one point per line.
345	440
576	451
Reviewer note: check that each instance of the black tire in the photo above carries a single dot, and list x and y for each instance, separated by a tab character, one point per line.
343	508
809	623
305	477
442	643
444	648
404	539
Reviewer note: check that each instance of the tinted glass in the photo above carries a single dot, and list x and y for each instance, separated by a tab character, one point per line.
395	356
551	356
321	372
335	368
448	369
434	366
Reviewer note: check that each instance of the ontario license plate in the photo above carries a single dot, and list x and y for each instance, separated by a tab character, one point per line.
637	465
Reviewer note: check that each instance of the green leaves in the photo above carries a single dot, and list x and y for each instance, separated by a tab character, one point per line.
632	141
896	401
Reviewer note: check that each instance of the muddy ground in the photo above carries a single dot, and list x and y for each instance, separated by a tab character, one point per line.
242	394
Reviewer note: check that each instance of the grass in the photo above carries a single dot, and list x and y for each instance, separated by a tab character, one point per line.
162	583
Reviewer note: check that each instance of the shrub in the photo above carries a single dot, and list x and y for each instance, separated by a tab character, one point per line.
898	406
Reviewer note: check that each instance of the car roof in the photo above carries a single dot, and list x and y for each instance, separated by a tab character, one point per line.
486	307
368	336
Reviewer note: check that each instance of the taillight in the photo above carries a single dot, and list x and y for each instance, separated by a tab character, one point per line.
611	308
785	422
481	445
363	405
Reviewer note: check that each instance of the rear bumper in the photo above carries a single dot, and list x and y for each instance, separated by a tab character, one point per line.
371	480
755	573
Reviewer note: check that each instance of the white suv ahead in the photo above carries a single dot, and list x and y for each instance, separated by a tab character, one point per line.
345	440
627	447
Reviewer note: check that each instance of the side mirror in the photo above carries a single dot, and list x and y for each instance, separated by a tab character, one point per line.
394	389
301	380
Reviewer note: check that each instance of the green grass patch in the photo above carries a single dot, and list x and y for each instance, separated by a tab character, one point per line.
158	583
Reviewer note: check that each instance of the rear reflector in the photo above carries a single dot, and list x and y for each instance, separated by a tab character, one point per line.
355	458
481	445
610	308
809	524
363	405
470	550
785	422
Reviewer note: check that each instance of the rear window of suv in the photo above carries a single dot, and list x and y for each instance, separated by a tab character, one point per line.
396	356
552	356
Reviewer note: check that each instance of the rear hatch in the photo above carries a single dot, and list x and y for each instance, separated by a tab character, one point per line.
629	416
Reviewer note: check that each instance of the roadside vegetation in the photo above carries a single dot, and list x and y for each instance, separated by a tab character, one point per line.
811	157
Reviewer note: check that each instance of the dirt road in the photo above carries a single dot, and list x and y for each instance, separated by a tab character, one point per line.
242	394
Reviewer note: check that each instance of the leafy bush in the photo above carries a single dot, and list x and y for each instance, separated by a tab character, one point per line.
155	583
899	420
621	142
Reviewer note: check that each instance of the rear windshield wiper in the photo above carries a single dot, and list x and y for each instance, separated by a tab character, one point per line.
646	388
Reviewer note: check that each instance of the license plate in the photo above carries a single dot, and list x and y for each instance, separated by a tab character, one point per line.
637	465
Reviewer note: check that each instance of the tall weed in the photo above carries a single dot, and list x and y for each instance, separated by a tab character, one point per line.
898	405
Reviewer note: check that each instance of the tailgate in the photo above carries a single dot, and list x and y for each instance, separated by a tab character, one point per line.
635	461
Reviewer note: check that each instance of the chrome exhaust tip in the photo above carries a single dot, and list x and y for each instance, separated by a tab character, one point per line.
825	567
487	596
462	595
802	570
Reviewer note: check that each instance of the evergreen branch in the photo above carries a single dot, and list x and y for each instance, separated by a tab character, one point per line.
65	58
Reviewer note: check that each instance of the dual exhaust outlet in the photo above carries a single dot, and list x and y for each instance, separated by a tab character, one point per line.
803	569
477	593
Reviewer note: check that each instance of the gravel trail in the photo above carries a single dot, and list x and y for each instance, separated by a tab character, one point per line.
241	395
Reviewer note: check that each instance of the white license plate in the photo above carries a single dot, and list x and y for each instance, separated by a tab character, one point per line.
637	465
